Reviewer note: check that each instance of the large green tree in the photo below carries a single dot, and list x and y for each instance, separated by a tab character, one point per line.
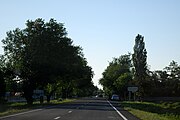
117	76
43	55
139	58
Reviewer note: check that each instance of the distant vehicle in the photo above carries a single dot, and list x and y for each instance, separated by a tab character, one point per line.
99	95
115	97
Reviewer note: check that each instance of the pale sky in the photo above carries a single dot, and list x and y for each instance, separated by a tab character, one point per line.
105	28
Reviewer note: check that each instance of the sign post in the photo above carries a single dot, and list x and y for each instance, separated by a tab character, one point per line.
132	89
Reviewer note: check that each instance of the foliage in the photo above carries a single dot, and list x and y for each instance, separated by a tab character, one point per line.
6	74
117	76
139	58
122	81
44	56
160	83
166	82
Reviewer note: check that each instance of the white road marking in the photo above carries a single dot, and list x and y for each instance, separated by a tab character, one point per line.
69	111
57	118
20	113
118	111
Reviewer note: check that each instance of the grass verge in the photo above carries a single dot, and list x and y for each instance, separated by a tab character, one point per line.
154	110
11	108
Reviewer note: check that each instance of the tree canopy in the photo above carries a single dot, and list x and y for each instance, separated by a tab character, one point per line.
133	71
139	58
43	55
117	76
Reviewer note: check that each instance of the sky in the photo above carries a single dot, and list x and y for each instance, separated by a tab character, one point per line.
105	28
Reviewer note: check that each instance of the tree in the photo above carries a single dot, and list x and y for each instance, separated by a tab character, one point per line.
44	56
173	78
122	83
166	82
139	58
117	76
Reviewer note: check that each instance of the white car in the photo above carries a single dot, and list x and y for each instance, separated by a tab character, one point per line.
115	97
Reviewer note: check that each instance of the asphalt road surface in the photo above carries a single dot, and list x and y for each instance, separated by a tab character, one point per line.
84	109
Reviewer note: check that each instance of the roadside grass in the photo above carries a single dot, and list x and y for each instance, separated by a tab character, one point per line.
154	110
11	108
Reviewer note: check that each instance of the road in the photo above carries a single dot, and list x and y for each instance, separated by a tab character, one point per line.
83	109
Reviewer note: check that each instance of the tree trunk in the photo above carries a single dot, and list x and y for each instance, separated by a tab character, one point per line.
64	93
49	95
29	100
28	93
48	98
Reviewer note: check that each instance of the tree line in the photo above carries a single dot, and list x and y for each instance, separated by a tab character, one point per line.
41	56
132	70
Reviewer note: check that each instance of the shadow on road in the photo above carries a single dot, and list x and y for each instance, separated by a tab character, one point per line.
89	104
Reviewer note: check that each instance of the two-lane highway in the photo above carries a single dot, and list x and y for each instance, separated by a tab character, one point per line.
84	109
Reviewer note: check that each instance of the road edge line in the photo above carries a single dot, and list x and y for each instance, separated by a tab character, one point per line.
124	118
21	113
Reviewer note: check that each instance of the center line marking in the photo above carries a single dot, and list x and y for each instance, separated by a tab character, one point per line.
57	118
124	118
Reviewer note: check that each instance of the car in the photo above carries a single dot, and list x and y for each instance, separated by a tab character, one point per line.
100	95
115	97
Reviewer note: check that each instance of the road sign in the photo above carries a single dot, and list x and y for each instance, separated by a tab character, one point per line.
133	89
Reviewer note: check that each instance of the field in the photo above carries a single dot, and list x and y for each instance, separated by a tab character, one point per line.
10	108
154	110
